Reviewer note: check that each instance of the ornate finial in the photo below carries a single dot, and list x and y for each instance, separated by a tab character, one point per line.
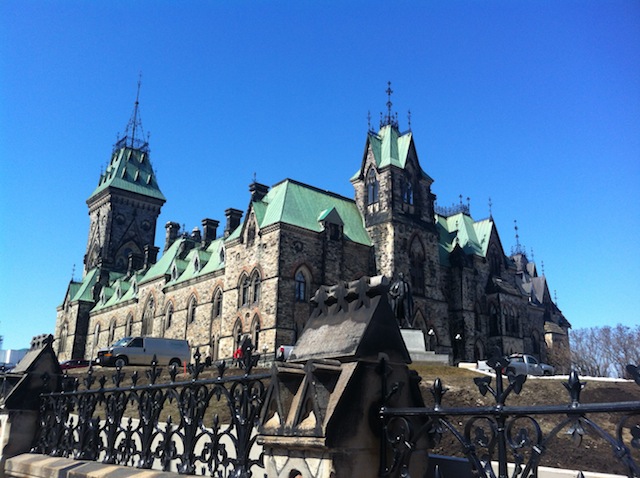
369	120
555	296
490	209
515	226
532	256
409	119
135	123
460	196
542	267
389	91
73	272
254	176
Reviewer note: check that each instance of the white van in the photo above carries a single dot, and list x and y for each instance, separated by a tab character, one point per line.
140	351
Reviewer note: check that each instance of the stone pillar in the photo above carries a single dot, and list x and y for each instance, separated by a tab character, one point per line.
17	432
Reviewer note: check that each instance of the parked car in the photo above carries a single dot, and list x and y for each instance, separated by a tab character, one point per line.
523	364
75	363
141	350
284	352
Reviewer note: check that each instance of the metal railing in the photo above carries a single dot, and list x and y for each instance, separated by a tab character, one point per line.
200	426
495	436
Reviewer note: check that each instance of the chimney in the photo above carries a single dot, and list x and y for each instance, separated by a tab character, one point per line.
134	263
233	220
150	256
258	191
209	231
173	228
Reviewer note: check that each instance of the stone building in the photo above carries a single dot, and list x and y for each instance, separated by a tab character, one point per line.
256	276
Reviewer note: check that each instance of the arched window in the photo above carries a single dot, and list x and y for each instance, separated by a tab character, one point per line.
372	187
255	287
96	336
191	310
237	334
217	304
128	327
407	192
255	332
168	316
251	234
147	316
245	291
301	286
112	331
64	334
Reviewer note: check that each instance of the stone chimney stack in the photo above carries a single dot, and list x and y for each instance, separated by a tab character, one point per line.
209	231
195	234
150	256
173	228
233	220
258	191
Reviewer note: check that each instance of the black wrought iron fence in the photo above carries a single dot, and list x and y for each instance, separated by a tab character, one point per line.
492	437
199	426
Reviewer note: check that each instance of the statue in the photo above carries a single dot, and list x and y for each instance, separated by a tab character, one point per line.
402	302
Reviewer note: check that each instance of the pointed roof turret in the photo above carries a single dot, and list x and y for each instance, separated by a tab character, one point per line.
130	168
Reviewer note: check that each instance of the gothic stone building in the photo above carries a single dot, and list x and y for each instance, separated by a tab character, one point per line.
256	277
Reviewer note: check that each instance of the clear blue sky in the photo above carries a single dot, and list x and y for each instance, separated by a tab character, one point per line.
535	104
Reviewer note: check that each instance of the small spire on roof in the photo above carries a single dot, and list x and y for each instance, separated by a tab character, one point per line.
555	296
73	272
542	267
490	209
369	120
134	124
390	118
409	119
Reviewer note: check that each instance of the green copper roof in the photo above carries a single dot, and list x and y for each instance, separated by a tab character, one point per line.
216	257
130	170
163	266
460	229
390	148
304	206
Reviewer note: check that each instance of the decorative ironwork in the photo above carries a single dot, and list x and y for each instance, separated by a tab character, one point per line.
500	433
203	425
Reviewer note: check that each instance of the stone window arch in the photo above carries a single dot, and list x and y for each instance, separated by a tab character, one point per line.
372	187
168	316
255	286
216	310
255	331
237	334
302	281
128	326
96	336
244	289
112	331
407	191
147	316
64	334
192	308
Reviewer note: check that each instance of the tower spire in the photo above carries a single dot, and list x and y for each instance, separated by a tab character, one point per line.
134	126
389	118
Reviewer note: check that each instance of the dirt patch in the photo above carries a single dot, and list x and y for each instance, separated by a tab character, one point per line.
592	453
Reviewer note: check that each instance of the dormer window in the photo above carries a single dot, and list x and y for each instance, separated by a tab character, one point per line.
174	273
222	255
196	264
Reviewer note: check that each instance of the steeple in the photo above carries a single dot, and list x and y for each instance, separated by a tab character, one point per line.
125	206
134	126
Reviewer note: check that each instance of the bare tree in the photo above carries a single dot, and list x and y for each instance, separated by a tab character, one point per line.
605	351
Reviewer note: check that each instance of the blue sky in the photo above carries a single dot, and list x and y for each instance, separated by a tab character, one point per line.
534	104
